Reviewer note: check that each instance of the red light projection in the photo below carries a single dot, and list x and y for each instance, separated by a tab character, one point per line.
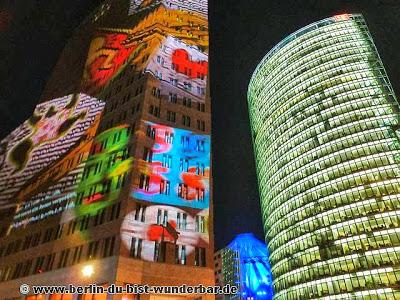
194	181
107	54
160	143
154	170
183	64
160	233
343	17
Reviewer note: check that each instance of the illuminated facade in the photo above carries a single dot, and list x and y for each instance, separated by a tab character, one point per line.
324	121
244	263
113	170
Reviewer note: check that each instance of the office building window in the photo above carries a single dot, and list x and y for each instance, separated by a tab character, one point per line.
171	116
186	121
165	187
154	110
185	141
187	101
76	257
136	247
108	246
200	224
140	213
184	164
92	250
162	217
181	220
169	137
200	169
62	263
151	132
201	107
200	194
167	161
183	191
147	154
201	125
144	182
159	251
172	98
200	144
180	254
200	257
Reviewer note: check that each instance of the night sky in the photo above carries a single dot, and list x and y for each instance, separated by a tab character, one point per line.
33	33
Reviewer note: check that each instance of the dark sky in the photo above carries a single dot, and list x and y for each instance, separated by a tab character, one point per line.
33	33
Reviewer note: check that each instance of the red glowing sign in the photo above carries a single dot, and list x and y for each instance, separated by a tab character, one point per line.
183	64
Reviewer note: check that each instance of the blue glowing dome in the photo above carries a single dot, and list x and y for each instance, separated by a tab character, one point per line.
255	270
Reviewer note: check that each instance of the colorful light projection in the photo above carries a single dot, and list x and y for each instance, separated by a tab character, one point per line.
175	170
112	50
55	128
53	190
183	63
180	65
105	170
108	53
193	6
255	271
46	125
146	224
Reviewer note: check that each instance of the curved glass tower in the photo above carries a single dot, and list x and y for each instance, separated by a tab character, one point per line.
324	121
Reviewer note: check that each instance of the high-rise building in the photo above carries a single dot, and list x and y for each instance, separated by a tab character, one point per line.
244	264
325	123
109	181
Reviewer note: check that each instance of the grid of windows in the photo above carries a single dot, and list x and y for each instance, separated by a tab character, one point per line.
324	119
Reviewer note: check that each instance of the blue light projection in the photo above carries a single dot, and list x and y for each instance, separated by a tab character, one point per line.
255	271
176	169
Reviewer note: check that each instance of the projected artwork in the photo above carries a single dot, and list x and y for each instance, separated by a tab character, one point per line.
53	190
107	54
149	223
46	125
183	63
168	42
175	170
180	65
105	170
195	6
55	127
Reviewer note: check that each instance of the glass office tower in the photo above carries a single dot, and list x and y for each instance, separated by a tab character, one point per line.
325	126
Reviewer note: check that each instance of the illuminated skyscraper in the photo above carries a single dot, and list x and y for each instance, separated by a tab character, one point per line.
324	121
112	171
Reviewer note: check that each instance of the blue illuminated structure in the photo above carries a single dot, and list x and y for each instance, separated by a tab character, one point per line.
255	279
178	169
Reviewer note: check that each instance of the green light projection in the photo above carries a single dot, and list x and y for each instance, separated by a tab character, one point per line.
105	171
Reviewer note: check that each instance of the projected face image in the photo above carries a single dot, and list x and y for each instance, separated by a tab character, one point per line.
175	170
149	223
